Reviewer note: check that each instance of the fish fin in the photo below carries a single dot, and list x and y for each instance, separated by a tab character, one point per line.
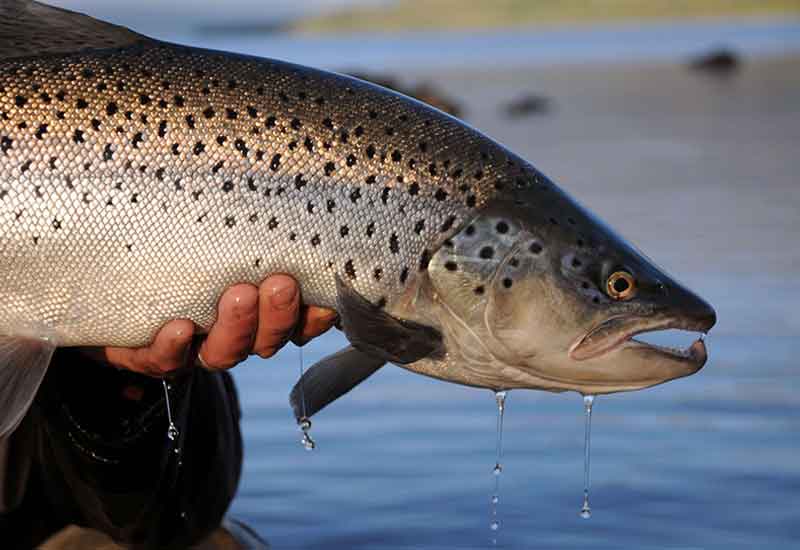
23	362
373	331
331	378
29	28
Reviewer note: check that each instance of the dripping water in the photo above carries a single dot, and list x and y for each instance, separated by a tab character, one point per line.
494	524
305	422
588	401
172	429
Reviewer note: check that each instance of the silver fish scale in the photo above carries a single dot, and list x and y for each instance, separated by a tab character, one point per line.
137	183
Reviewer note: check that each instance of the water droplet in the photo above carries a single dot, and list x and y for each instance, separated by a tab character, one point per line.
500	399
304	423
307	441
588	401
172	429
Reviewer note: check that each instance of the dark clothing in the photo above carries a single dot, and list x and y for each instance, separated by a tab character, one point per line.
93	451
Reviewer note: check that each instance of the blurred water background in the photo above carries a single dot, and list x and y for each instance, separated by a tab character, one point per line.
701	169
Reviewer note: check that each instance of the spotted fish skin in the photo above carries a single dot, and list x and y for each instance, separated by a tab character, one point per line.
136	183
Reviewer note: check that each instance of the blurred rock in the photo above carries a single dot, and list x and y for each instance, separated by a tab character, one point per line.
527	105
721	62
424	91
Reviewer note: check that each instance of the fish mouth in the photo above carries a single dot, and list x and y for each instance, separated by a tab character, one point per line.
618	332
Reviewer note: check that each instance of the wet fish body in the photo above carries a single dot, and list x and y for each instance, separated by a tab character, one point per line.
139	179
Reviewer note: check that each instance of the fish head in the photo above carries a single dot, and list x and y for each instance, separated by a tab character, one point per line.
538	293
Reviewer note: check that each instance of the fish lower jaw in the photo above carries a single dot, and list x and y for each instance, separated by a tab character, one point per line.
590	346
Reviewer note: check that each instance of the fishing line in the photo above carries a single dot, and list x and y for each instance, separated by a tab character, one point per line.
172	429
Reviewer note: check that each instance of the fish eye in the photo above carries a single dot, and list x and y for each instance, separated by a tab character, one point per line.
621	285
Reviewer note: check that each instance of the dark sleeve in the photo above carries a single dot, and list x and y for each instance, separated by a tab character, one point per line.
93	451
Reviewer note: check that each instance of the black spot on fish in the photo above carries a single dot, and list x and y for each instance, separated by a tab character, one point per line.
419	226
95	124
513	262
371	179
404	275
331	204
501	227
370	151
270	122
41	131
424	260
396	156
370	229
350	269
227	187
385	194
6	143
160	174
479	290
296	124
344	230
108	152
576	263
535	248
413	189
199	147
230	221
440	194
471	200
231	114
507	282
179	101
275	163
394	244
351	160
330	167
299	182
20	101
451	266
138	137
217	167
208	112
272	224
448	224
81	103
487	253
190	121
315	240
355	194
377	273
77	136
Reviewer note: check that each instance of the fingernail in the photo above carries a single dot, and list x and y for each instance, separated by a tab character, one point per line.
284	297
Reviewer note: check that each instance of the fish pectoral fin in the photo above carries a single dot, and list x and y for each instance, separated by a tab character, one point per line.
373	331
29	28
331	378
23	363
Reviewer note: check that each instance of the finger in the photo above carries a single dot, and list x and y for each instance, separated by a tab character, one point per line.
313	322
167	353
279	308
231	336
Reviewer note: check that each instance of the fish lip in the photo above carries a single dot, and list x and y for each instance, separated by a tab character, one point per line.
695	354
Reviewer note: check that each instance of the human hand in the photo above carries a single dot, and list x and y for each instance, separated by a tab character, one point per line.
250	320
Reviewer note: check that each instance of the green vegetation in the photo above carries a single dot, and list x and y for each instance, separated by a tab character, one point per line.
481	14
